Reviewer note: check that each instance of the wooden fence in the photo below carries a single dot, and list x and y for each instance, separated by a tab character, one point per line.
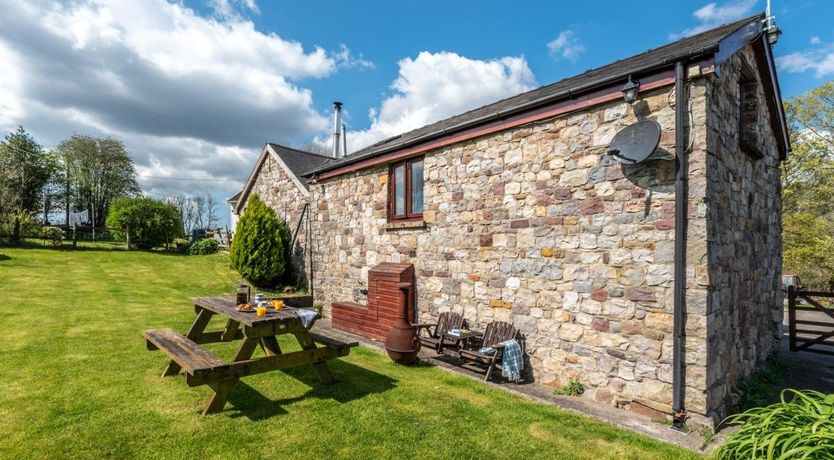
814	329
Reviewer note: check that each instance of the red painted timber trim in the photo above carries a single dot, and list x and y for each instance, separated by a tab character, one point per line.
610	93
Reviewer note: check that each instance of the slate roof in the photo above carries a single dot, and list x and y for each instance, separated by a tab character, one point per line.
300	161
234	198
700	45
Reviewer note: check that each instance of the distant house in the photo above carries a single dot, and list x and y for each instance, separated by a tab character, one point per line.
233	201
517	211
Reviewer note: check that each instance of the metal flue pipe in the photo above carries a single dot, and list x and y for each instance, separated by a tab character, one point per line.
337	127
344	140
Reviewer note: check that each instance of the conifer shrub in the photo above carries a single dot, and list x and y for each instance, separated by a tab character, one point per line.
259	252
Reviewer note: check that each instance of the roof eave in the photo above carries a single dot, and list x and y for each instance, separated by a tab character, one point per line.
532	105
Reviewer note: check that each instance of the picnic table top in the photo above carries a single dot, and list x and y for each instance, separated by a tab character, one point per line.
226	306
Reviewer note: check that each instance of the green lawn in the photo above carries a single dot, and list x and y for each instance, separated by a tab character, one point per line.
76	381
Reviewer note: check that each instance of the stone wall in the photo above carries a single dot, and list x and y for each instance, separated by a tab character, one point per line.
536	225
275	185
744	308
539	227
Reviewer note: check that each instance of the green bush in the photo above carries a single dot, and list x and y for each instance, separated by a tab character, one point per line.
147	221
54	234
181	245
203	247
802	428
29	226
258	251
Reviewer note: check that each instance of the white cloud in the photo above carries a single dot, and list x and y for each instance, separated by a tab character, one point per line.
714	14
434	86
819	60
345	58
191	96
815	40
231	8
566	45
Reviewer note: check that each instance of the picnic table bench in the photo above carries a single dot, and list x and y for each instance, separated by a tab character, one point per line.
201	367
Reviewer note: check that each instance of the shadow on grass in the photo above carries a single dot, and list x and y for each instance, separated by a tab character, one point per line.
352	383
4	257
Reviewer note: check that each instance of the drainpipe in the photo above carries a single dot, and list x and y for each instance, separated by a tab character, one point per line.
681	209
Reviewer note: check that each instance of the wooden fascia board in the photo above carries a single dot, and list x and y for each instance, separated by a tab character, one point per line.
767	72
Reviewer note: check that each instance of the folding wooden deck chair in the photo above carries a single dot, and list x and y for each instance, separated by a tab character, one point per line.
435	332
496	333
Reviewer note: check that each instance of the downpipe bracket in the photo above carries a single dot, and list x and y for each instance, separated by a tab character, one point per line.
679	422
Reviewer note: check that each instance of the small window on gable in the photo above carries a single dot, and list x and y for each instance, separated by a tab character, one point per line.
748	120
405	194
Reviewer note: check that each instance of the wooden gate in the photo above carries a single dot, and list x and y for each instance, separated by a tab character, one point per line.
810	322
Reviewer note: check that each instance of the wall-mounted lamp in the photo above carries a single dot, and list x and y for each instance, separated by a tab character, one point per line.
630	90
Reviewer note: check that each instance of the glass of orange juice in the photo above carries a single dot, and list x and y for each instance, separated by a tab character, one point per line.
278	304
260	311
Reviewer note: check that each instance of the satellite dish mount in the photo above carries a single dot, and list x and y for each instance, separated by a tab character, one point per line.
636	142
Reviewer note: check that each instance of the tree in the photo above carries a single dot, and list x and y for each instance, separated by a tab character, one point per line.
24	170
212	219
98	170
258	250
146	222
198	211
808	188
198	207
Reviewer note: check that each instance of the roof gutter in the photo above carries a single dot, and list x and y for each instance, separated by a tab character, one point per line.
501	114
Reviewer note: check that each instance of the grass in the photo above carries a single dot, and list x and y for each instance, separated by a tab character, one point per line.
77	382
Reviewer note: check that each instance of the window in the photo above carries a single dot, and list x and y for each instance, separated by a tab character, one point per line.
405	197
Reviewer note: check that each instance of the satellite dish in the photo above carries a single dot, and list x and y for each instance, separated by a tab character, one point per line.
634	143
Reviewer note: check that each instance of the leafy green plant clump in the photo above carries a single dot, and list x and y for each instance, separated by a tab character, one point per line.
573	388
181	245
259	252
55	235
203	247
799	428
762	387
27	225
147	222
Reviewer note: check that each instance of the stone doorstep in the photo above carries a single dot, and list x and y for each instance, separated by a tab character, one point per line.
629	420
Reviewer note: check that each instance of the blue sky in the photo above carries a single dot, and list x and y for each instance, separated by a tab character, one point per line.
386	32
196	87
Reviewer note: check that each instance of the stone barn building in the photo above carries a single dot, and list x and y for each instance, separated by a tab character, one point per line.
516	211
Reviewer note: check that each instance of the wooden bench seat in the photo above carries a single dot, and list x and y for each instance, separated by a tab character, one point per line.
331	342
192	358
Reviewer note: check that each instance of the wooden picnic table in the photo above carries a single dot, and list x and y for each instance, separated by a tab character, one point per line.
201	367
